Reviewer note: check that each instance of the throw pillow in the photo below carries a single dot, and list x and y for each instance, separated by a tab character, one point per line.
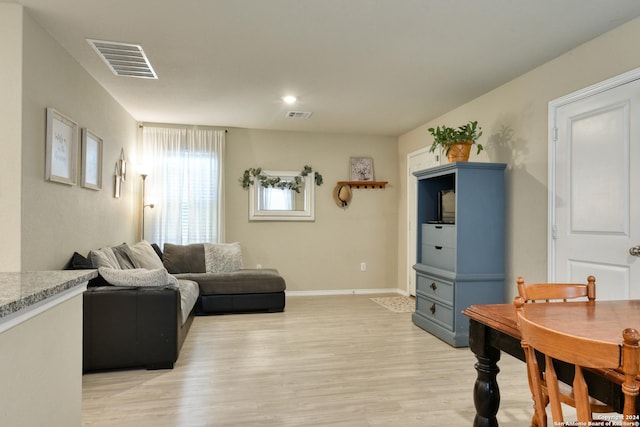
137	277
157	249
143	256
184	258
104	257
78	262
123	255
222	257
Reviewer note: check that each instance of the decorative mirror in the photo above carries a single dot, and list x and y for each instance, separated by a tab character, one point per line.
270	203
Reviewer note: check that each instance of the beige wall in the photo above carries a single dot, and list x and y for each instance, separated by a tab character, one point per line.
325	254
10	134
514	119
56	219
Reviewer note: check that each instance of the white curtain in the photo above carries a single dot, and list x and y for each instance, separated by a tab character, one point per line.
276	199
185	182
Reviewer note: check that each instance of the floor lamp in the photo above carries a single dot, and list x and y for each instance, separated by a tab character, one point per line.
144	205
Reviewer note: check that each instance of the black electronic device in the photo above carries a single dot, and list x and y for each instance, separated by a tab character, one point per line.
447	206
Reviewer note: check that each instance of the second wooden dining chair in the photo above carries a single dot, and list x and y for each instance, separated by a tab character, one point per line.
571	349
547	292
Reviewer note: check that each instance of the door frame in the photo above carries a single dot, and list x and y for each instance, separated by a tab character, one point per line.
412	237
554	105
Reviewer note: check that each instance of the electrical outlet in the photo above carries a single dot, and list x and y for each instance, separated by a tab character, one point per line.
258	266
363	266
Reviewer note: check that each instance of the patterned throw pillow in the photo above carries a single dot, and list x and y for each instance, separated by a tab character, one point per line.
222	257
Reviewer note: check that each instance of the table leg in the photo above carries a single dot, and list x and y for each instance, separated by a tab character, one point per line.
486	394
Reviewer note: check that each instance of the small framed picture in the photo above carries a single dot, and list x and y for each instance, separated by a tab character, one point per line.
361	169
91	160
61	155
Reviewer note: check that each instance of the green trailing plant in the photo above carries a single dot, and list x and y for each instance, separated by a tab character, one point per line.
252	174
445	137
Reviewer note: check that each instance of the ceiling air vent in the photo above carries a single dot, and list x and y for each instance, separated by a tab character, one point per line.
124	59
299	114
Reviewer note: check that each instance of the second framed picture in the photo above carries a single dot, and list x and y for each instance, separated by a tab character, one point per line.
91	160
361	169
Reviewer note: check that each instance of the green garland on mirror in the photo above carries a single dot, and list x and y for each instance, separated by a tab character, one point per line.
274	181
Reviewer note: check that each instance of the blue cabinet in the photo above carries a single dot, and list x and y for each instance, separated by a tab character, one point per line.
461	263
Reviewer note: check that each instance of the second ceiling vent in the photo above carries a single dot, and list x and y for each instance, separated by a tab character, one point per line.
299	114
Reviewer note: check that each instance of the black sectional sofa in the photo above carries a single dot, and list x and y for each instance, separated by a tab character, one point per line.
134	323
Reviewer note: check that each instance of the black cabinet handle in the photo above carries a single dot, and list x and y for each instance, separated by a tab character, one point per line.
439	247
433	308
433	286
438	227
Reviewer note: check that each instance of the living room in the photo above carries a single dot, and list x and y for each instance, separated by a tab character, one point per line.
48	222
44	223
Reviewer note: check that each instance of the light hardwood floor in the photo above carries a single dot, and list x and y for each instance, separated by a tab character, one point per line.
325	361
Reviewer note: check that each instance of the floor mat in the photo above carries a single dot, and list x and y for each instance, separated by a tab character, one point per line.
400	304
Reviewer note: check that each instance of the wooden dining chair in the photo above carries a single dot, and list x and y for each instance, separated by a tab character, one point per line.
582	353
547	292
552	292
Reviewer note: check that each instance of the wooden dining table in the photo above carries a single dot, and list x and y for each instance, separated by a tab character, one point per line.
493	330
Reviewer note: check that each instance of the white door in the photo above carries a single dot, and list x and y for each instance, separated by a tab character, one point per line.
597	191
417	160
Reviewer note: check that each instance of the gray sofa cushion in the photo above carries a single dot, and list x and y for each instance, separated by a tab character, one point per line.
248	281
184	258
189	292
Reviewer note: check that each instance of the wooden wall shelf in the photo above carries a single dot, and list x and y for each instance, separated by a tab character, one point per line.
364	184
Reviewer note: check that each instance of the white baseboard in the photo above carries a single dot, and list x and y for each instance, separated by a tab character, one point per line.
345	292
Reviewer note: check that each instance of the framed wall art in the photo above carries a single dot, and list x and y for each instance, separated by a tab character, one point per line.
61	155
361	169
91	160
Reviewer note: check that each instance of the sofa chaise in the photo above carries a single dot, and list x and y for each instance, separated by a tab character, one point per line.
225	287
137	314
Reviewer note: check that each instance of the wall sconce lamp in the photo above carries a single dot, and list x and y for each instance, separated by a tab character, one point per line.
144	205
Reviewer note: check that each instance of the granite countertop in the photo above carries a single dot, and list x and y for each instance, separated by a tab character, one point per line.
21	290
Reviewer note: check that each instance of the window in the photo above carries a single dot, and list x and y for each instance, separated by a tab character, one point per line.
276	199
185	177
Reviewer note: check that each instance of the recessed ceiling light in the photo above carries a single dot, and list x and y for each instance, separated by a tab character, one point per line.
289	99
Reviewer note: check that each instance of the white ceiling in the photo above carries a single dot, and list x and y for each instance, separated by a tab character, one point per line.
361	66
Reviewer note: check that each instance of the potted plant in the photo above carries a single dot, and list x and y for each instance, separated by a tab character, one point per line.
456	142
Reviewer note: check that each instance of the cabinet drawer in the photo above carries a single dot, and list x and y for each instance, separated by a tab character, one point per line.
435	288
436	312
439	234
439	256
